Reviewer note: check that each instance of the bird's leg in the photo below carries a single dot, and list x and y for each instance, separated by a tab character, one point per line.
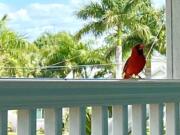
136	76
133	76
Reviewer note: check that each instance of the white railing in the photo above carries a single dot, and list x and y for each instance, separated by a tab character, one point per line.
26	95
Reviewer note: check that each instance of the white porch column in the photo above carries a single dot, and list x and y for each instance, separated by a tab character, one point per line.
173	61
173	38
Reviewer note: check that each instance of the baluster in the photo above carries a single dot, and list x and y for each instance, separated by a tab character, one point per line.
120	119
26	122
53	121
100	120
77	120
172	119
138	119
156	119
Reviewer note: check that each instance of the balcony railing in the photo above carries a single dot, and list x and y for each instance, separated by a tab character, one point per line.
26	95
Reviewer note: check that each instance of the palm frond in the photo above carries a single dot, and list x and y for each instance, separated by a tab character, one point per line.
110	52
142	31
131	6
4	18
93	10
129	42
3	22
108	4
97	28
112	19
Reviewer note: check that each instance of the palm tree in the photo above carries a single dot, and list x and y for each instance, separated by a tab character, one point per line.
17	55
115	16
55	50
61	49
154	19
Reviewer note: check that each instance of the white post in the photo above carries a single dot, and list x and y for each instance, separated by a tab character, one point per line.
99	120
26	124
49	122
120	120
173	38
53	121
173	61
77	120
169	31
3	122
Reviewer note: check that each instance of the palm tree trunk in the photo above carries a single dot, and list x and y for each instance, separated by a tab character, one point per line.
118	57
118	62
148	69
74	74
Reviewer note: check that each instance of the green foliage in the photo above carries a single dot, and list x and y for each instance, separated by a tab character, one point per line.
3	21
130	22
152	19
61	49
119	16
41	131
125	22
88	122
51	55
16	53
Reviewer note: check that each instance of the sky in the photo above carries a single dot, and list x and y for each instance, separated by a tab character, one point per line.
31	18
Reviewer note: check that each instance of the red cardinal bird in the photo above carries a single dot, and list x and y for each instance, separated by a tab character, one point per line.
135	63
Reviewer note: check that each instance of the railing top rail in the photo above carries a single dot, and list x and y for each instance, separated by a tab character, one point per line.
19	93
87	80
